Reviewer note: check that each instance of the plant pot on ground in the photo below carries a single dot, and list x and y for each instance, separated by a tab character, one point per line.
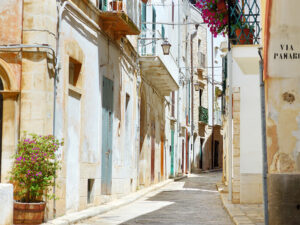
35	165
116	5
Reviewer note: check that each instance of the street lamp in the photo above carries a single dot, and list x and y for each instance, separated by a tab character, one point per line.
166	47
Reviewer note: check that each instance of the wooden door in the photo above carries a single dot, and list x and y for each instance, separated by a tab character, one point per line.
201	154
107	126
152	151
216	154
172	152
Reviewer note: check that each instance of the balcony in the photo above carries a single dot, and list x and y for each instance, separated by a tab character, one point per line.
116	19
244	26
156	68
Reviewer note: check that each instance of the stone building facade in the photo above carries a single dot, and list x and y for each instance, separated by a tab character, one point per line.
77	70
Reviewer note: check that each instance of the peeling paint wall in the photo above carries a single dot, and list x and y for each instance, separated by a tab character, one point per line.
282	82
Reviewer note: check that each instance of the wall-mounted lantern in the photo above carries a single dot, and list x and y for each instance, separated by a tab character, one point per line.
166	47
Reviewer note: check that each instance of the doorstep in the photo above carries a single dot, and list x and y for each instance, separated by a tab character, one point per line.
241	214
94	211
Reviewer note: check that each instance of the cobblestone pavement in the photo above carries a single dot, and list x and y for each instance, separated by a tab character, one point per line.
193	200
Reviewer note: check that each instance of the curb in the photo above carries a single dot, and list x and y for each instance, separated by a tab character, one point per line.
236	214
98	210
180	178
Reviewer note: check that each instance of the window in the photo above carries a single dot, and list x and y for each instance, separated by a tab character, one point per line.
153	30
173	12
162	31
143	27
74	71
102	4
199	45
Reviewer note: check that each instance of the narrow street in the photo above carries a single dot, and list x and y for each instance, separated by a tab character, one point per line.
193	200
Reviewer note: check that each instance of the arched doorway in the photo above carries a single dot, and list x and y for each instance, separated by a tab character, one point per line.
1	118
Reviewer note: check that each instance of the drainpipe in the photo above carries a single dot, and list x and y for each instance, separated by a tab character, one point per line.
264	142
229	72
213	101
178	97
193	35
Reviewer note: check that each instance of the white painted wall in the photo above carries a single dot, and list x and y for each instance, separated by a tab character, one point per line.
250	119
6	204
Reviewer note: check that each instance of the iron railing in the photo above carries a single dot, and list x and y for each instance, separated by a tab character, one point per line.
244	21
203	114
126	6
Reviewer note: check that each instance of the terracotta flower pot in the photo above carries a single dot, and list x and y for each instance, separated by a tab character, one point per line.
244	38
29	213
221	5
116	5
144	1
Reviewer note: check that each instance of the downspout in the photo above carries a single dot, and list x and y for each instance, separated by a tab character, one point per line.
178	97
193	35
213	101
229	72
264	142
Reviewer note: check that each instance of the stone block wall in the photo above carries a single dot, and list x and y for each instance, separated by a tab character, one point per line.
236	146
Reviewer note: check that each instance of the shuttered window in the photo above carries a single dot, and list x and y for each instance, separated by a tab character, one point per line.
162	31
144	16
153	30
173	8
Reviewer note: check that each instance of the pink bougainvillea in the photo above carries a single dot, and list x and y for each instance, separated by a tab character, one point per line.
35	166
215	14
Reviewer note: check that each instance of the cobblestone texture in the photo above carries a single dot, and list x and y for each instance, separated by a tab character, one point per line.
193	200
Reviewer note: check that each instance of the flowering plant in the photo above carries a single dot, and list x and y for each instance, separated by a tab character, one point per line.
35	166
215	14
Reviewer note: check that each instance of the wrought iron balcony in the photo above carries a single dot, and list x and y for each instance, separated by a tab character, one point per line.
118	18
244	22
203	115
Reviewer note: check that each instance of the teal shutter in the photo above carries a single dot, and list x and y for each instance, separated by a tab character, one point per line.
143	27
163	31
144	16
153	30
103	5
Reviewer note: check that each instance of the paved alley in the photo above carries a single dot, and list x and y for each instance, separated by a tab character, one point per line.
193	200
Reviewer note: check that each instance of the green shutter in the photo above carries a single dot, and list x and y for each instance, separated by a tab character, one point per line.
103	5
153	30
162	31
144	16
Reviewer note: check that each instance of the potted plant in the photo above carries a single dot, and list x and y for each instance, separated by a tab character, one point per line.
33	174
116	5
244	33
215	14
